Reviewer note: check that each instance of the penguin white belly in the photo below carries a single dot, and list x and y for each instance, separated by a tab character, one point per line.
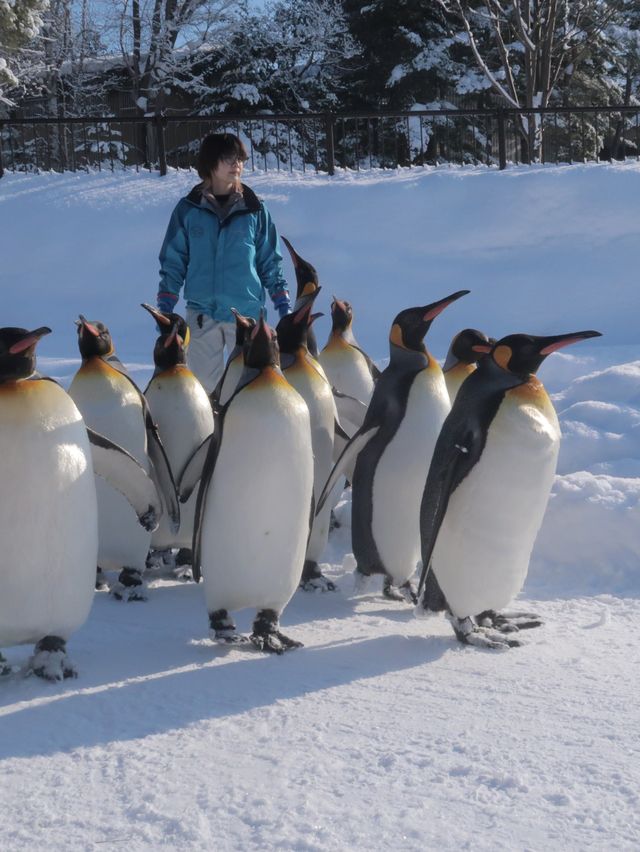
48	521
111	405
318	395
401	473
182	412
482	552
256	517
348	372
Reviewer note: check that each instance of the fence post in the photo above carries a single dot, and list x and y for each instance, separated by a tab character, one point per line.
331	154
502	140
160	123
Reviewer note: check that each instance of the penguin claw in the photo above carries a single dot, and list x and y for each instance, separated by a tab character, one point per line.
469	633
53	666
318	584
129	586
404	593
5	668
509	622
274	642
228	636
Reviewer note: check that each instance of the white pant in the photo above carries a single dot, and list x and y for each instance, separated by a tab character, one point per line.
205	356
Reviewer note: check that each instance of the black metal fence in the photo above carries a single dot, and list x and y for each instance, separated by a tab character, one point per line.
326	142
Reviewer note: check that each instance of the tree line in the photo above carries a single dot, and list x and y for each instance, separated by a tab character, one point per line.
210	57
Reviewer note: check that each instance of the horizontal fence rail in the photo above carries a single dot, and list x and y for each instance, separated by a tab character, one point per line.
326	142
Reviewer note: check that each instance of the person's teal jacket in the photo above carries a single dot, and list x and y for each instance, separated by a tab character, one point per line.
223	264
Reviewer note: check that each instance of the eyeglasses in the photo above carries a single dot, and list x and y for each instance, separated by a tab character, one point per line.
232	159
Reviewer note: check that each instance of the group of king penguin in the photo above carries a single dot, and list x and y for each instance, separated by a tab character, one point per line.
450	472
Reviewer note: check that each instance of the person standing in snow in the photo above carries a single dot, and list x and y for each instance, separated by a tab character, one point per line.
223	247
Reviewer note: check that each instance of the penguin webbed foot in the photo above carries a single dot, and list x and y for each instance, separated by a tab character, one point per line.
313	580
5	668
222	629
404	593
469	633
182	570
50	660
508	622
268	638
334	523
130	586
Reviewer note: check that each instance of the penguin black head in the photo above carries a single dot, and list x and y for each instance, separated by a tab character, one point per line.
522	354
411	325
261	346
468	347
341	315
243	327
94	339
171	346
306	275
293	329
18	352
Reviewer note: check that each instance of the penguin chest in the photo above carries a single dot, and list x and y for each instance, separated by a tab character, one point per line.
348	371
110	404
401	473
48	519
256	515
182	412
316	392
484	545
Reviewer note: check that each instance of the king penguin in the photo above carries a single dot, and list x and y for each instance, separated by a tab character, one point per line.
306	375
255	500
307	284
235	362
112	404
488	487
350	370
182	412
466	349
48	517
393	451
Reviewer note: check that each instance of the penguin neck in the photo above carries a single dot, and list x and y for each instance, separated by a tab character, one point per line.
408	359
345	334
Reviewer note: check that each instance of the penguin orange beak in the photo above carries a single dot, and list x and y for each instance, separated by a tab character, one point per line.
481	348
437	307
561	340
159	317
242	320
86	325
32	337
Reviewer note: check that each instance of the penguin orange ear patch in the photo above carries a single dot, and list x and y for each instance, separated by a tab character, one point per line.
395	336
309	288
502	356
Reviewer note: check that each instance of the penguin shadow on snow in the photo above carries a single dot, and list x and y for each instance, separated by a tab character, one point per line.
221	687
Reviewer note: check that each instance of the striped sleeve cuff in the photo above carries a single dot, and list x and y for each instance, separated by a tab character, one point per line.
166	302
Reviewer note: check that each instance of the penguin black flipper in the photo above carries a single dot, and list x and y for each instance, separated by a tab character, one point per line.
375	372
339	432
192	471
161	469
350	408
212	444
123	472
346	461
459	447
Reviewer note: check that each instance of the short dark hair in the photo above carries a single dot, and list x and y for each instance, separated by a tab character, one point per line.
214	148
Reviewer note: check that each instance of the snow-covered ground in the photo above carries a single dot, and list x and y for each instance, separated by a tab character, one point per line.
382	732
